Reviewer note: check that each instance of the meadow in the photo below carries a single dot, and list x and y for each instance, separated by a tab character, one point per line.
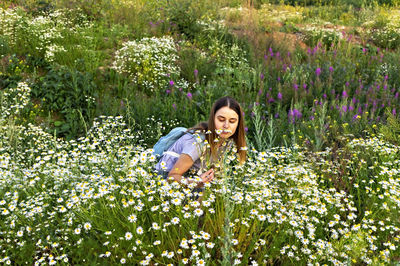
87	87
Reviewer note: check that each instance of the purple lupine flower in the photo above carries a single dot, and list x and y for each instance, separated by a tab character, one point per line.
385	86
304	86
271	53
171	83
344	94
278	78
260	91
325	96
279	96
351	108
265	56
189	95
271	100
261	76
394	111
396	95
386	77
278	54
347	84
318	71
276	115
295	86
344	108
330	69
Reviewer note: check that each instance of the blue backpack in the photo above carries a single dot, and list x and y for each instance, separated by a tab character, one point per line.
165	142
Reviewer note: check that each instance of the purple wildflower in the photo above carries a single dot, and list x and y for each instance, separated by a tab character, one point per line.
168	91
189	95
171	83
293	115
279	96
318	71
330	69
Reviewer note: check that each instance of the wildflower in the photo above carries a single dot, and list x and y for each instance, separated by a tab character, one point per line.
189	95
77	231
293	115
170	254
87	226
198	212
139	230
128	235
318	72
155	226
175	220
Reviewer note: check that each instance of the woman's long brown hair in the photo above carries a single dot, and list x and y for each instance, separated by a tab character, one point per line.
238	137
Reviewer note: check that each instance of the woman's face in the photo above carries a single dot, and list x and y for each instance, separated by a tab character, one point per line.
226	121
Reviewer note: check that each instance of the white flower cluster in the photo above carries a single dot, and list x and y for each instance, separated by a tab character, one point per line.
13	100
149	62
230	60
316	31
268	13
43	33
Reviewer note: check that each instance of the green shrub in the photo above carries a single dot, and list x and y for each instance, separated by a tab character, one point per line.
68	96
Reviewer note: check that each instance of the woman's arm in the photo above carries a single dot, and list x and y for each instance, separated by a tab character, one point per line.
182	165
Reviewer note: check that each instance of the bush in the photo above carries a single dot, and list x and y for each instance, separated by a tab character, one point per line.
150	63
68	95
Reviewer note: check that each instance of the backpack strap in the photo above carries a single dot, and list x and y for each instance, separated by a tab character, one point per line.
171	153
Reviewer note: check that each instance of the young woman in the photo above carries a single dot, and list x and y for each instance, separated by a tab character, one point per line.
225	125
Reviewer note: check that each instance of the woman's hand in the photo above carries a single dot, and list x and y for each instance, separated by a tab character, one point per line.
207	176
